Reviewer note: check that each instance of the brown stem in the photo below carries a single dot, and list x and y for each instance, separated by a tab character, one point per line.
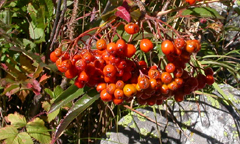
73	19
128	107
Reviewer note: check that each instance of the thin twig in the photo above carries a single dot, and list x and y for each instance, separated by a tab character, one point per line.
55	22
73	19
59	24
128	107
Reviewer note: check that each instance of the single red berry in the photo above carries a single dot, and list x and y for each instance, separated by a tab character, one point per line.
179	43
208	71
167	47
101	44
101	86
105	96
146	45
166	77
209	79
109	70
191	2
112	48
170	67
131	28
130	51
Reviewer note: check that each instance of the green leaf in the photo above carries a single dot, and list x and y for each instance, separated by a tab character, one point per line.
50	7
205	12
19	138
35	32
8	132
50	116
8	89
232	28
57	91
53	115
50	92
38	131
82	104
65	97
17	120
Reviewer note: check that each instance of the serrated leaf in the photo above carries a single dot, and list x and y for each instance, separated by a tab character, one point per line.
17	120
8	132
204	12
46	105
53	115
123	13
38	131
82	104
50	116
20	138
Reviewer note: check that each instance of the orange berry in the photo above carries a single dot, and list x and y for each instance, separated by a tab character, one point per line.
130	51
105	96
71	73
154	73
101	44
146	45
117	101
143	82
53	57
121	46
164	89
118	94
173	85
179	43
109	70
79	84
170	67
129	90
178	72
111	88
166	77
101	86
112	48
167	47
131	28
58	52
120	84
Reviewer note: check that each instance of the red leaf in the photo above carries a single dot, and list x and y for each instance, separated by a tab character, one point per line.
34	86
43	78
123	13
4	66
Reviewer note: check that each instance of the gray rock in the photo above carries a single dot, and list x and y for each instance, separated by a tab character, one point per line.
203	120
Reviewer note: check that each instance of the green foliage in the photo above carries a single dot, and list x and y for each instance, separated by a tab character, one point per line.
203	12
27	74
35	129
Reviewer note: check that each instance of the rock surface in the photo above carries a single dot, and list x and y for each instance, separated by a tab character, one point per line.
198	120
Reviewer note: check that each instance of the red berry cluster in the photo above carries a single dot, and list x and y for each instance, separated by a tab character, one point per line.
117	77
